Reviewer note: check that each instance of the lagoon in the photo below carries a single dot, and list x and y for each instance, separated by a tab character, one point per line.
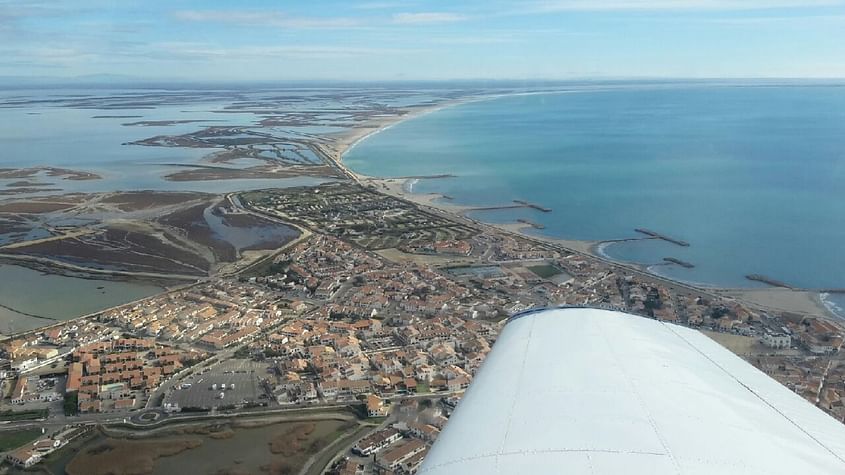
58	297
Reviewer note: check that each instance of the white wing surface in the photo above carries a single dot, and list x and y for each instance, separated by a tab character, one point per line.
576	390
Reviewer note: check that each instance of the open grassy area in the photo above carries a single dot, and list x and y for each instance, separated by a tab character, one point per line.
741	345
422	387
544	271
23	415
71	403
234	447
266	266
13	439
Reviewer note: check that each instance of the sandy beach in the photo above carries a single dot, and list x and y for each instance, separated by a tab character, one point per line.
795	301
345	141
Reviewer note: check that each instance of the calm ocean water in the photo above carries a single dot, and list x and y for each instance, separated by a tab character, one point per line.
751	177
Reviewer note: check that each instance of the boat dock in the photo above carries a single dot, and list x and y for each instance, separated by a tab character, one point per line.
768	281
681	263
517	204
495	208
532	205
531	223
657	235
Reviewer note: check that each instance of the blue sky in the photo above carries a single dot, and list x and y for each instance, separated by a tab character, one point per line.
387	40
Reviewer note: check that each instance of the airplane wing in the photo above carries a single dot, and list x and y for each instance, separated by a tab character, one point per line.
581	390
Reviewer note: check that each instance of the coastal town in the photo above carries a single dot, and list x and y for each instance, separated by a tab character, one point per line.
383	306
395	237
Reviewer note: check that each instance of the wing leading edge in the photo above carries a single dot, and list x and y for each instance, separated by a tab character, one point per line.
579	390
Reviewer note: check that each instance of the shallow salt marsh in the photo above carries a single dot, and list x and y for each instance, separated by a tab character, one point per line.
239	447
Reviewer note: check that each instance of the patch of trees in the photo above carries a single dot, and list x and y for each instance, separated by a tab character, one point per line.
71	403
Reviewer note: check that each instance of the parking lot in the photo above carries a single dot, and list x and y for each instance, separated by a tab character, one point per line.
242	380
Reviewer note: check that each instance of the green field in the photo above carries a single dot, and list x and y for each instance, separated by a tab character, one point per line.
544	271
13	439
71	404
23	415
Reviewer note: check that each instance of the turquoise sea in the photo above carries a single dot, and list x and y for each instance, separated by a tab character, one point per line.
751	176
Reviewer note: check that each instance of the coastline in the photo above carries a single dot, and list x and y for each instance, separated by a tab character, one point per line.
832	307
803	302
345	141
787	300
349	140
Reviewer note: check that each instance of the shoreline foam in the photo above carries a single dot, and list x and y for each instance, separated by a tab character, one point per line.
831	306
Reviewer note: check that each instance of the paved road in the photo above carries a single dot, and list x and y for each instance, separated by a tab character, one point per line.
57	237
318	463
134	418
92	270
304	234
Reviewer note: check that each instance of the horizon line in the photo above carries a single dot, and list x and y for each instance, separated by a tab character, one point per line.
106	79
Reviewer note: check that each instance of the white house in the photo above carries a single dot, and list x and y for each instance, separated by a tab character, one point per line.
777	340
23	457
377	441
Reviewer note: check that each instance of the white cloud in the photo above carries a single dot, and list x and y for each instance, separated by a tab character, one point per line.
263	18
472	40
378	5
190	50
427	18
602	5
49	55
793	20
